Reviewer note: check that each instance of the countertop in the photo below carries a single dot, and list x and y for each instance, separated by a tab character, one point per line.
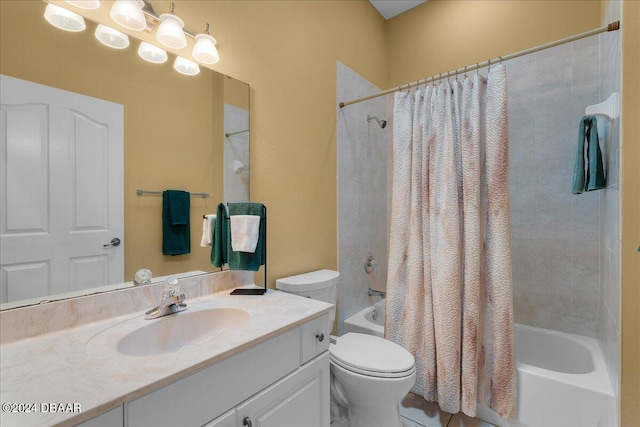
83	366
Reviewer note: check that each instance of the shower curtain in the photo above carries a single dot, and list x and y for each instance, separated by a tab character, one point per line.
449	289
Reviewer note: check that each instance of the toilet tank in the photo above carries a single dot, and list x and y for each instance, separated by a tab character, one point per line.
321	285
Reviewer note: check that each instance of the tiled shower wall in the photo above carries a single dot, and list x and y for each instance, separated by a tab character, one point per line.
362	193
609	319
555	234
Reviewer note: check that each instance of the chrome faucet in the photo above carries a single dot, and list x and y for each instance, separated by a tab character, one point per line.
373	292
172	301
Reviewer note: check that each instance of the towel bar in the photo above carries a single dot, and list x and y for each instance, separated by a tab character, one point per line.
159	193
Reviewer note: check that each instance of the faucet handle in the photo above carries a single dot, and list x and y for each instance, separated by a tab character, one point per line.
142	277
171	288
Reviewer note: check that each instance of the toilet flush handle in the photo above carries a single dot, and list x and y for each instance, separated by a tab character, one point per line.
320	337
246	422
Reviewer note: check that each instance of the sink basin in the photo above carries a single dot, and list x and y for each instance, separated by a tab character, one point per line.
182	330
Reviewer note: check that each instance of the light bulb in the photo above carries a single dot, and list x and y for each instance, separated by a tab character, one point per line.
170	33
111	38
185	66
64	19
205	49
128	13
152	53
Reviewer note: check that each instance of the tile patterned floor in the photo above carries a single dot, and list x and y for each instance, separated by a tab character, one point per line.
417	412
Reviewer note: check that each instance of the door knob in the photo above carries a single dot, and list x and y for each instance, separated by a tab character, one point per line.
114	242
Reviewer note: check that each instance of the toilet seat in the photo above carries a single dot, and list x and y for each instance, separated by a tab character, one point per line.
371	356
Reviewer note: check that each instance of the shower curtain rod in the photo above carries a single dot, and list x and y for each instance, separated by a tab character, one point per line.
614	26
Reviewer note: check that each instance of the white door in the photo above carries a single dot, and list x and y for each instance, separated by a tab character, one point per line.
61	191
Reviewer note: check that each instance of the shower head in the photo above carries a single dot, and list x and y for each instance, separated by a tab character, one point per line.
381	123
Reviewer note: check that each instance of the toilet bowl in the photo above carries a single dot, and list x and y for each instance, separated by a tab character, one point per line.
369	374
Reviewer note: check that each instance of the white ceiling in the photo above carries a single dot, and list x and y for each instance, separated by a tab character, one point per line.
391	8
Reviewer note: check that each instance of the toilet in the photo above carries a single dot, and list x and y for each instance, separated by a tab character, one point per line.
369	374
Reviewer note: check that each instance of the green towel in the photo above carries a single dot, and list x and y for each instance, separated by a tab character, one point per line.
588	132
220	235
221	252
176	231
245	260
595	169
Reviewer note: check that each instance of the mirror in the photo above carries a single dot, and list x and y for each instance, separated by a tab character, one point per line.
179	132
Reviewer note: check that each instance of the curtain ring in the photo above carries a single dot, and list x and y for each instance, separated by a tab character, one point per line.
477	68
465	71
489	60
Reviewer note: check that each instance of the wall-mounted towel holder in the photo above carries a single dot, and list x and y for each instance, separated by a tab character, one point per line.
159	193
609	108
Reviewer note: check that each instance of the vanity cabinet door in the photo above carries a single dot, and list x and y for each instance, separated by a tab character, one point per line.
300	399
113	418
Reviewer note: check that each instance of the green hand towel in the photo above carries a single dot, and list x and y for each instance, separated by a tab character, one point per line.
220	235
577	186
245	260
176	231
595	169
595	180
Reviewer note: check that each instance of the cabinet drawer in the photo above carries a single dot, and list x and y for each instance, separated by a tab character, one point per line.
226	420
203	396
315	337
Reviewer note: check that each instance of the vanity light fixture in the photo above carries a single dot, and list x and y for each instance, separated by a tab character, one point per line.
205	48
169	32
186	66
111	37
128	13
64	19
152	53
85	4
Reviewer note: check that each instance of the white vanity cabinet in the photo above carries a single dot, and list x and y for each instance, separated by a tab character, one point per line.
283	381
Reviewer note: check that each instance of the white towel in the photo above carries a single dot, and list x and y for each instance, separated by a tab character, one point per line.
245	230
208	225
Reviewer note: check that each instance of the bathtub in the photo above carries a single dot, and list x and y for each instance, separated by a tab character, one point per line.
562	378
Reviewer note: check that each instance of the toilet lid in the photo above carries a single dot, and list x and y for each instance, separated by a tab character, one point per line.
371	355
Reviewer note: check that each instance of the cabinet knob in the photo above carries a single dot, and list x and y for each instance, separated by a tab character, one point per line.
246	422
320	337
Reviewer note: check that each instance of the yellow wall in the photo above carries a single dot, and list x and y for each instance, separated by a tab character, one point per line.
164	147
630	195
443	35
287	52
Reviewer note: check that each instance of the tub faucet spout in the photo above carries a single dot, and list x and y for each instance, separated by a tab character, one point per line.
373	292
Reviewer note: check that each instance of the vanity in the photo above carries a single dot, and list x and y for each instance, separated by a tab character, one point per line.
228	360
